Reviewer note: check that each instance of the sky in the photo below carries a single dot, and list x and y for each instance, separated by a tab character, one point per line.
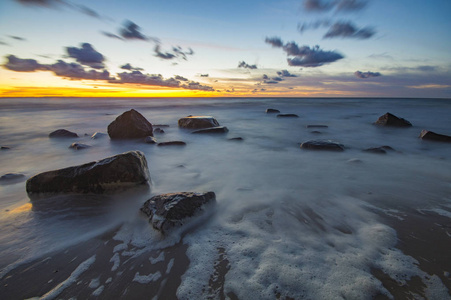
252	48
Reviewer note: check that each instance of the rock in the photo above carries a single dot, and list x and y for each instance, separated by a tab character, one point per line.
161	125
98	135
316	132
63	133
169	210
130	125
379	150
150	140
158	130
78	146
219	129
287	116
198	122
11	176
432	136
322	145
272	111
391	120
236	139
110	174
317	126
172	143
5	148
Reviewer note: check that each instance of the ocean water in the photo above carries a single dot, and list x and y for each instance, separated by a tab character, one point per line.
287	223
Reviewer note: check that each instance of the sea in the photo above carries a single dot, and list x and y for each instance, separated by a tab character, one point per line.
288	223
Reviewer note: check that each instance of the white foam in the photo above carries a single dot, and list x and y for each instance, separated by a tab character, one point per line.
144	279
170	265
98	291
116	260
157	259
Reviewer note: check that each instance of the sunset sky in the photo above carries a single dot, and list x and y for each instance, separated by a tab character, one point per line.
253	48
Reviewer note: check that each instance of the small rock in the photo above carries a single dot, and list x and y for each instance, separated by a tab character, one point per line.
98	135
172	143
287	116
198	122
272	111
236	139
158	130
379	150
391	120
316	132
432	136
5	148
219	129
130	125
11	176
169	210
78	146
317	126
150	140
63	133
322	145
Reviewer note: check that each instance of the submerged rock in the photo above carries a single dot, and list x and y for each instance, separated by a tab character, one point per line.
322	145
432	136
78	146
63	133
169	210
198	122
5	148
219	129
130	125
110	174
158	130
391	120
172	143
287	116
272	111
150	140
98	135
239	139
379	150
11	176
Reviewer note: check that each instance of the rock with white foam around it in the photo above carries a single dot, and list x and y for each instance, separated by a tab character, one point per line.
169	210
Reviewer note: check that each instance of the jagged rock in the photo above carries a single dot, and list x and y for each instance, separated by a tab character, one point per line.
150	140
317	126
169	210
432	136
391	120
158	130
110	174
287	116
172	143
98	135
219	129
63	133
78	146
322	145
379	150
272	111
198	122
130	125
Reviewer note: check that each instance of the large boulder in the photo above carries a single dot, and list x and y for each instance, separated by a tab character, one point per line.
322	145
169	210
130	125
110	174
432	136
62	133
198	122
391	120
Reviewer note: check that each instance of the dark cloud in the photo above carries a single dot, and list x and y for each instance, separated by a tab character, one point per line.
131	31
276	42
86	55
313	25
77	71
176	53
129	67
337	5
204	75
285	73
163	55
4	43
87	11
265	77
348	30
368	74
112	35
317	5
427	68
46	3
180	78
243	64
271	81
197	86
350	5
22	65
179	52
17	38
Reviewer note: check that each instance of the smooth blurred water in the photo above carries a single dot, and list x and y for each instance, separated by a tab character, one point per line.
283	215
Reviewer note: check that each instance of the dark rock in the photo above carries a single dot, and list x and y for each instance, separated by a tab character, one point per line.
78	146
432	136
287	116
5	148
272	111
376	150
316	132
236	139
317	126
391	120
130	125
110	174
150	140
11	176
172	143
169	210
198	122
158	130
322	145
161	125
98	135
219	129
63	133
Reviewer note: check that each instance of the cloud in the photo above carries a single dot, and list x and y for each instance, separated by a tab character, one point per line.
313	25
197	86
244	65
285	73
129	67
180	78
317	5
163	55
337	5
22	65
348	30
17	38
77	71
368	74
88	11
46	3
276	42
350	5
177	53
86	55
3	43
204	75
112	35
131	31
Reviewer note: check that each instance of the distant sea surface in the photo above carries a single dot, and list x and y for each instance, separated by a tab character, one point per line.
288	222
